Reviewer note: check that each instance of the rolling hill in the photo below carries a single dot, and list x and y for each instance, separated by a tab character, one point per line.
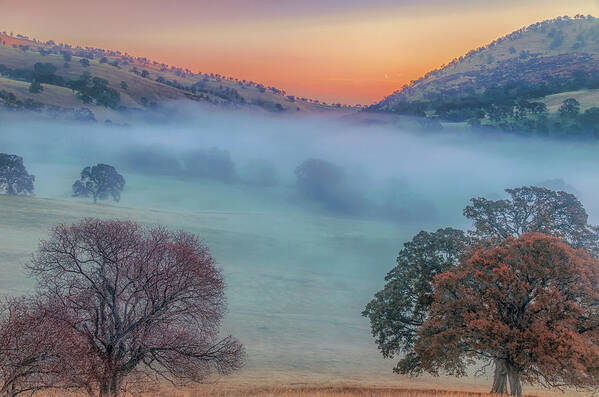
516	82
138	82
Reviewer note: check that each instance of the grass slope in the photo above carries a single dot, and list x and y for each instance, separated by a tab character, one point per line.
160	84
555	49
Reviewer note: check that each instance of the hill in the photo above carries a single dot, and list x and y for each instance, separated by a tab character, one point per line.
118	82
516	82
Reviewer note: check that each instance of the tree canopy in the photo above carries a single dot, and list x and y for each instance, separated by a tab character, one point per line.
403	304
142	303
100	182
14	178
530	302
397	312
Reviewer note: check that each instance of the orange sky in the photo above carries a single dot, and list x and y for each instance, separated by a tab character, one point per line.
346	51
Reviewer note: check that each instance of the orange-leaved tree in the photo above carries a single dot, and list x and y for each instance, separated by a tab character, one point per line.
530	302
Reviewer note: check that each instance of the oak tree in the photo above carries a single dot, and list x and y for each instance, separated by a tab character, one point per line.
100	182
146	302
533	209
14	178
403	304
529	302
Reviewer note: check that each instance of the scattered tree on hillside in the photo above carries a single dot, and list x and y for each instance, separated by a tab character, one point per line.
90	89
145	303
124	85
14	178
530	303
35	87
100	182
570	108
84	62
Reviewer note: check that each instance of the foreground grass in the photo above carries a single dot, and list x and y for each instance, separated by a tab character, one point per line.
333	391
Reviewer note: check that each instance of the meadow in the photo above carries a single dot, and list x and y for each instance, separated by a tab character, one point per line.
297	275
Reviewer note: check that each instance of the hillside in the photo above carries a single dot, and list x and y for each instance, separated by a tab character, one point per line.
130	83
517	81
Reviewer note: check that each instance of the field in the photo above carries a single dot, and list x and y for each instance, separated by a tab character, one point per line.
297	276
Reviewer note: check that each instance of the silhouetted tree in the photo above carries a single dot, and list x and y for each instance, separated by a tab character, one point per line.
100	182
327	183
392	313
35	87
403	304
533	209
211	163
14	178
530	303
84	62
570	108
145	302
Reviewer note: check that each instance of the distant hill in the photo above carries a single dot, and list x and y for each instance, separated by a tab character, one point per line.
516	82
118	82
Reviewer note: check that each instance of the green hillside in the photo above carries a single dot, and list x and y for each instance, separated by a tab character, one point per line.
132	83
517	82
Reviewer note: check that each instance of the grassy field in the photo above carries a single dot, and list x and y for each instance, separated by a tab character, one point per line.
297	316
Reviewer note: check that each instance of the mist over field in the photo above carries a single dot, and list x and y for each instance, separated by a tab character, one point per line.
301	257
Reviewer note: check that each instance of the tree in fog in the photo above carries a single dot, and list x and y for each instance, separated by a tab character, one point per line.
259	172
392	312
570	108
34	349
529	302
146	303
533	209
327	183
35	87
213	163
99	182
14	178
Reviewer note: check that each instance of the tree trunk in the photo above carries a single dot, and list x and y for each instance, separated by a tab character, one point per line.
500	378
515	383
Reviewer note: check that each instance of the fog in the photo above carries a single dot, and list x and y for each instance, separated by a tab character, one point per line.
303	249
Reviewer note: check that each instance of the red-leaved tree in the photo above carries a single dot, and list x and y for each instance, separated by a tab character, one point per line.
143	303
530	303
35	350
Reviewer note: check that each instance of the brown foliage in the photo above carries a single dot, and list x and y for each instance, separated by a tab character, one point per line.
529	302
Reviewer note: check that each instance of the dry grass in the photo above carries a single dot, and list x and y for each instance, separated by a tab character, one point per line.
328	391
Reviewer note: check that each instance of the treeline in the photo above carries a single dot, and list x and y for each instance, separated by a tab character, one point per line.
87	88
512	106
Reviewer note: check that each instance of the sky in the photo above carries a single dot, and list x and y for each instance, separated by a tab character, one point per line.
347	51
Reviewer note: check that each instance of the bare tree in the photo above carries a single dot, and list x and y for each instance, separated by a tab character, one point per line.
147	302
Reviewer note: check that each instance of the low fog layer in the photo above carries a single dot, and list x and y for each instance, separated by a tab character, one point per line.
304	214
325	165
